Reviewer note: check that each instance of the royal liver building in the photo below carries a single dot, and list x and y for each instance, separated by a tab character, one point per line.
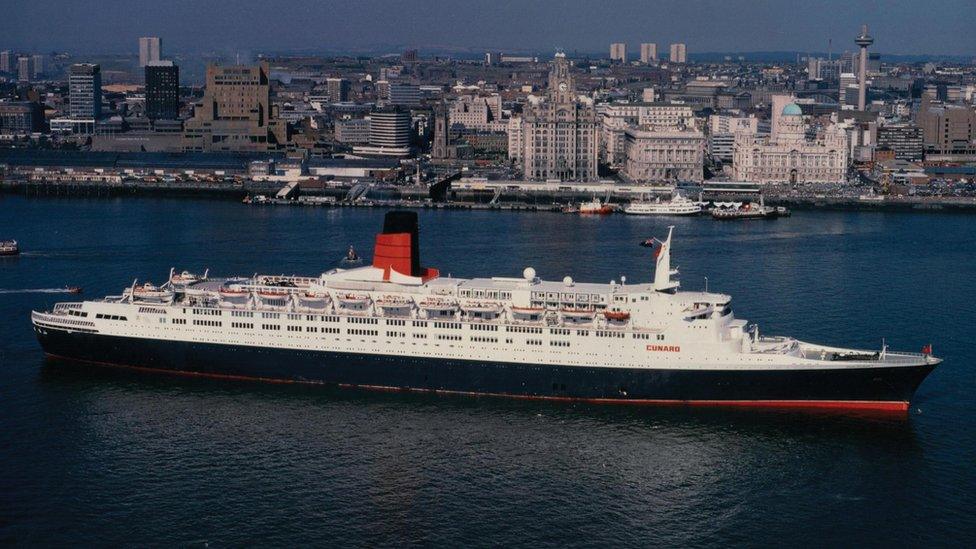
556	137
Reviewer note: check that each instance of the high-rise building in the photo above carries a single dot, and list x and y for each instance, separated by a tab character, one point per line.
618	52
648	53
389	133
24	69
85	91
235	113
947	128
162	90
338	89
481	113
679	53
150	50
863	41
37	60
408	56
5	61
559	131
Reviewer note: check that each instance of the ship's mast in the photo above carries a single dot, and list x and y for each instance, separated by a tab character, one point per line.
663	270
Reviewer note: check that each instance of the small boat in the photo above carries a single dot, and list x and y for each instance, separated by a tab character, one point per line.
395	305
438	307
353	302
273	299
233	295
617	316
595	207
569	209
73	289
9	248
527	313
482	309
352	259
578	314
152	293
314	301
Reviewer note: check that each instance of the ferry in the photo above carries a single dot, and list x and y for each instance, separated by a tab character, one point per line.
750	210
678	205
395	325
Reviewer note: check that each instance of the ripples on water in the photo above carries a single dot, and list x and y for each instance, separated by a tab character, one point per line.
99	455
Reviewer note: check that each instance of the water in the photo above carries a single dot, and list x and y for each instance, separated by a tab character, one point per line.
92	455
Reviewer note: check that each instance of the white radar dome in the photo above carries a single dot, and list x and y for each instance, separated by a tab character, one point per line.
568	281
529	274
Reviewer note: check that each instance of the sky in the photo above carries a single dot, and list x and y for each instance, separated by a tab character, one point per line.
936	27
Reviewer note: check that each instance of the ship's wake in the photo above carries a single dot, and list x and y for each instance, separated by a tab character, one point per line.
39	291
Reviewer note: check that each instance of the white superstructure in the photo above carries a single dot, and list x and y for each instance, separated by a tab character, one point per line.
678	205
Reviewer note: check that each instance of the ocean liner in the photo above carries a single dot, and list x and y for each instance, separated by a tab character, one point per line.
394	325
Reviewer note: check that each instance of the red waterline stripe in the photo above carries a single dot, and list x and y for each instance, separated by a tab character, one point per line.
862	405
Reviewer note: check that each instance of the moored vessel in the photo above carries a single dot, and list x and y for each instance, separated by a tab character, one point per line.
9	248
678	205
396	325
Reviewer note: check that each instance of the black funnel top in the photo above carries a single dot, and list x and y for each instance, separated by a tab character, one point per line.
400	221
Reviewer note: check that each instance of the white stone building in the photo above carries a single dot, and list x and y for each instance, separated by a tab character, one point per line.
559	132
617	118
664	155
788	154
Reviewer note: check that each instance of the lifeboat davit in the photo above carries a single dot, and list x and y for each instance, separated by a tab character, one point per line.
617	316
527	313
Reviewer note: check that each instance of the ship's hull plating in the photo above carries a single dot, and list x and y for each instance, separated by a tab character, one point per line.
875	388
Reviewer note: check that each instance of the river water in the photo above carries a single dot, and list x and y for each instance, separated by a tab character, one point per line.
91	455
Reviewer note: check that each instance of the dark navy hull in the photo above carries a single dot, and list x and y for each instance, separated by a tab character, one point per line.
880	388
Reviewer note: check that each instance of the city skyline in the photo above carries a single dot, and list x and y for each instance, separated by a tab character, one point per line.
732	26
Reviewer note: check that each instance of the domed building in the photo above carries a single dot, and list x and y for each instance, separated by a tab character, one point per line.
790	154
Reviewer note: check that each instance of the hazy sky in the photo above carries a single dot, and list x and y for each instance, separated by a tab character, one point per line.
105	26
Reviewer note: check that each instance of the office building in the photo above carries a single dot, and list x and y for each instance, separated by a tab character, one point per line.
20	117
648	53
947	128
722	129
404	95
25	69
616	118
903	139
85	91
150	50
618	52
352	131
481	113
6	63
559	136
337	89
788	155
664	155
389	133
679	53
235	113
162	90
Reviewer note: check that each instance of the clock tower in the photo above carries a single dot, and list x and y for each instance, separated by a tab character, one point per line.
562	88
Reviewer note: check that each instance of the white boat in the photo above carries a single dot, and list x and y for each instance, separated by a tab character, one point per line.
275	299
678	205
395	305
313	301
149	292
438	307
578	315
186	278
595	207
482	309
528	314
353	302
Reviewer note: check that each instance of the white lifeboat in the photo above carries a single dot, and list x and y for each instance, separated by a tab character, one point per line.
152	293
353	302
186	278
395	305
233	295
313	301
276	299
435	307
578	314
527	313
482	308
